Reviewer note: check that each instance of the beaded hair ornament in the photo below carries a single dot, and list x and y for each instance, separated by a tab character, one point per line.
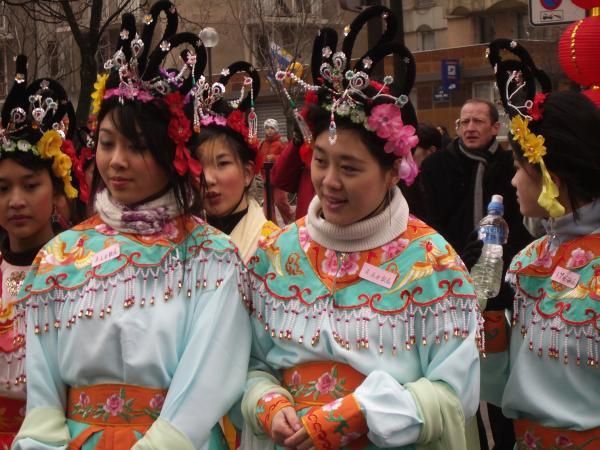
516	80
137	75
210	108
38	118
349	92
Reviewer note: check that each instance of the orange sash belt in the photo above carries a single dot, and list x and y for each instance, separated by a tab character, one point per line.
118	411
12	411
321	382
530	435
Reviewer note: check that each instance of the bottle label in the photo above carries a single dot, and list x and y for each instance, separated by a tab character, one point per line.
490	234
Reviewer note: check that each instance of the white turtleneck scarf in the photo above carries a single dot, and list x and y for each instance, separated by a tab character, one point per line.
364	235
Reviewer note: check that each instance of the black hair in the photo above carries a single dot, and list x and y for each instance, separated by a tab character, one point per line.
35	163
569	124
145	125
429	136
233	139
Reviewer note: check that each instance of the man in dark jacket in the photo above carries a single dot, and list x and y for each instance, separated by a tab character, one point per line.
458	183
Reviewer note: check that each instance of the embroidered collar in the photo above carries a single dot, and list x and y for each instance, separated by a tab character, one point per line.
364	235
566	228
146	219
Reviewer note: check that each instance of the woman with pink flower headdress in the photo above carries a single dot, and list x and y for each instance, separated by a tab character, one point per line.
543	370
366	326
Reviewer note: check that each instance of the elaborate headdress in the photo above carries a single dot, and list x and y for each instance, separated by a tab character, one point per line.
516	80
136	74
209	107
349	92
38	118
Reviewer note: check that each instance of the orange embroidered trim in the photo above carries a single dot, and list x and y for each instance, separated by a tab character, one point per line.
336	424
321	382
531	435
115	410
267	407
496	332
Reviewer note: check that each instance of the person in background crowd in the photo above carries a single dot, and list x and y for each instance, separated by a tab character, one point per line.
268	151
145	322
446	139
429	142
35	172
458	183
291	173
334	342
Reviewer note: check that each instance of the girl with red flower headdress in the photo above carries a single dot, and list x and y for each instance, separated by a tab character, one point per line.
144	314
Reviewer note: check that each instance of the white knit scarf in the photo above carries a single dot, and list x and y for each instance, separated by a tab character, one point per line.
364	235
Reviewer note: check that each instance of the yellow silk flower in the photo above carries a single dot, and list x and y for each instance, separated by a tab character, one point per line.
548	196
98	94
49	145
534	150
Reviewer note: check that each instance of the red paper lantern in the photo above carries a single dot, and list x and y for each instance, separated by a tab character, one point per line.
586	4
579	51
593	95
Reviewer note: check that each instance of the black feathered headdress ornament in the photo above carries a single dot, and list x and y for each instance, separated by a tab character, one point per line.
39	118
137	74
348	91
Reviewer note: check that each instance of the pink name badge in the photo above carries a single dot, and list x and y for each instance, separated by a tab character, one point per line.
378	276
107	254
565	277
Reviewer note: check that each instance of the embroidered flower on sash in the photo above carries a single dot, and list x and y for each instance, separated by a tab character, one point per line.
326	383
114	405
84	400
157	402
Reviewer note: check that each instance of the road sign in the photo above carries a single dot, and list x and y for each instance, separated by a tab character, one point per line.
440	95
450	74
554	12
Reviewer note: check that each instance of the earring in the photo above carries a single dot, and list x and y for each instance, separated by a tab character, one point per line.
58	219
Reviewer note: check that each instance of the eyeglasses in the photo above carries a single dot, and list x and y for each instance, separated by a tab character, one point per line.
465	122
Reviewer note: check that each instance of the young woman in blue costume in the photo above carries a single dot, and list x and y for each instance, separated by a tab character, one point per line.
226	145
135	317
365	321
225	142
543	370
36	160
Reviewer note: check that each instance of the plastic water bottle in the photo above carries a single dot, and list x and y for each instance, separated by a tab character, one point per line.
487	272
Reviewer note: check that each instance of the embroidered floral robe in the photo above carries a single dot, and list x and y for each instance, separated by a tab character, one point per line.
166	313
310	304
12	383
550	372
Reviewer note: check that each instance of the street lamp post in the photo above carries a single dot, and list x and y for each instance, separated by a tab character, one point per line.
210	39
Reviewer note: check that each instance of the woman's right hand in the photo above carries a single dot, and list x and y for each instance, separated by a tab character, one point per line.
284	424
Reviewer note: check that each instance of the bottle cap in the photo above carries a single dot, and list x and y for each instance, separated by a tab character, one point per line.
496	205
